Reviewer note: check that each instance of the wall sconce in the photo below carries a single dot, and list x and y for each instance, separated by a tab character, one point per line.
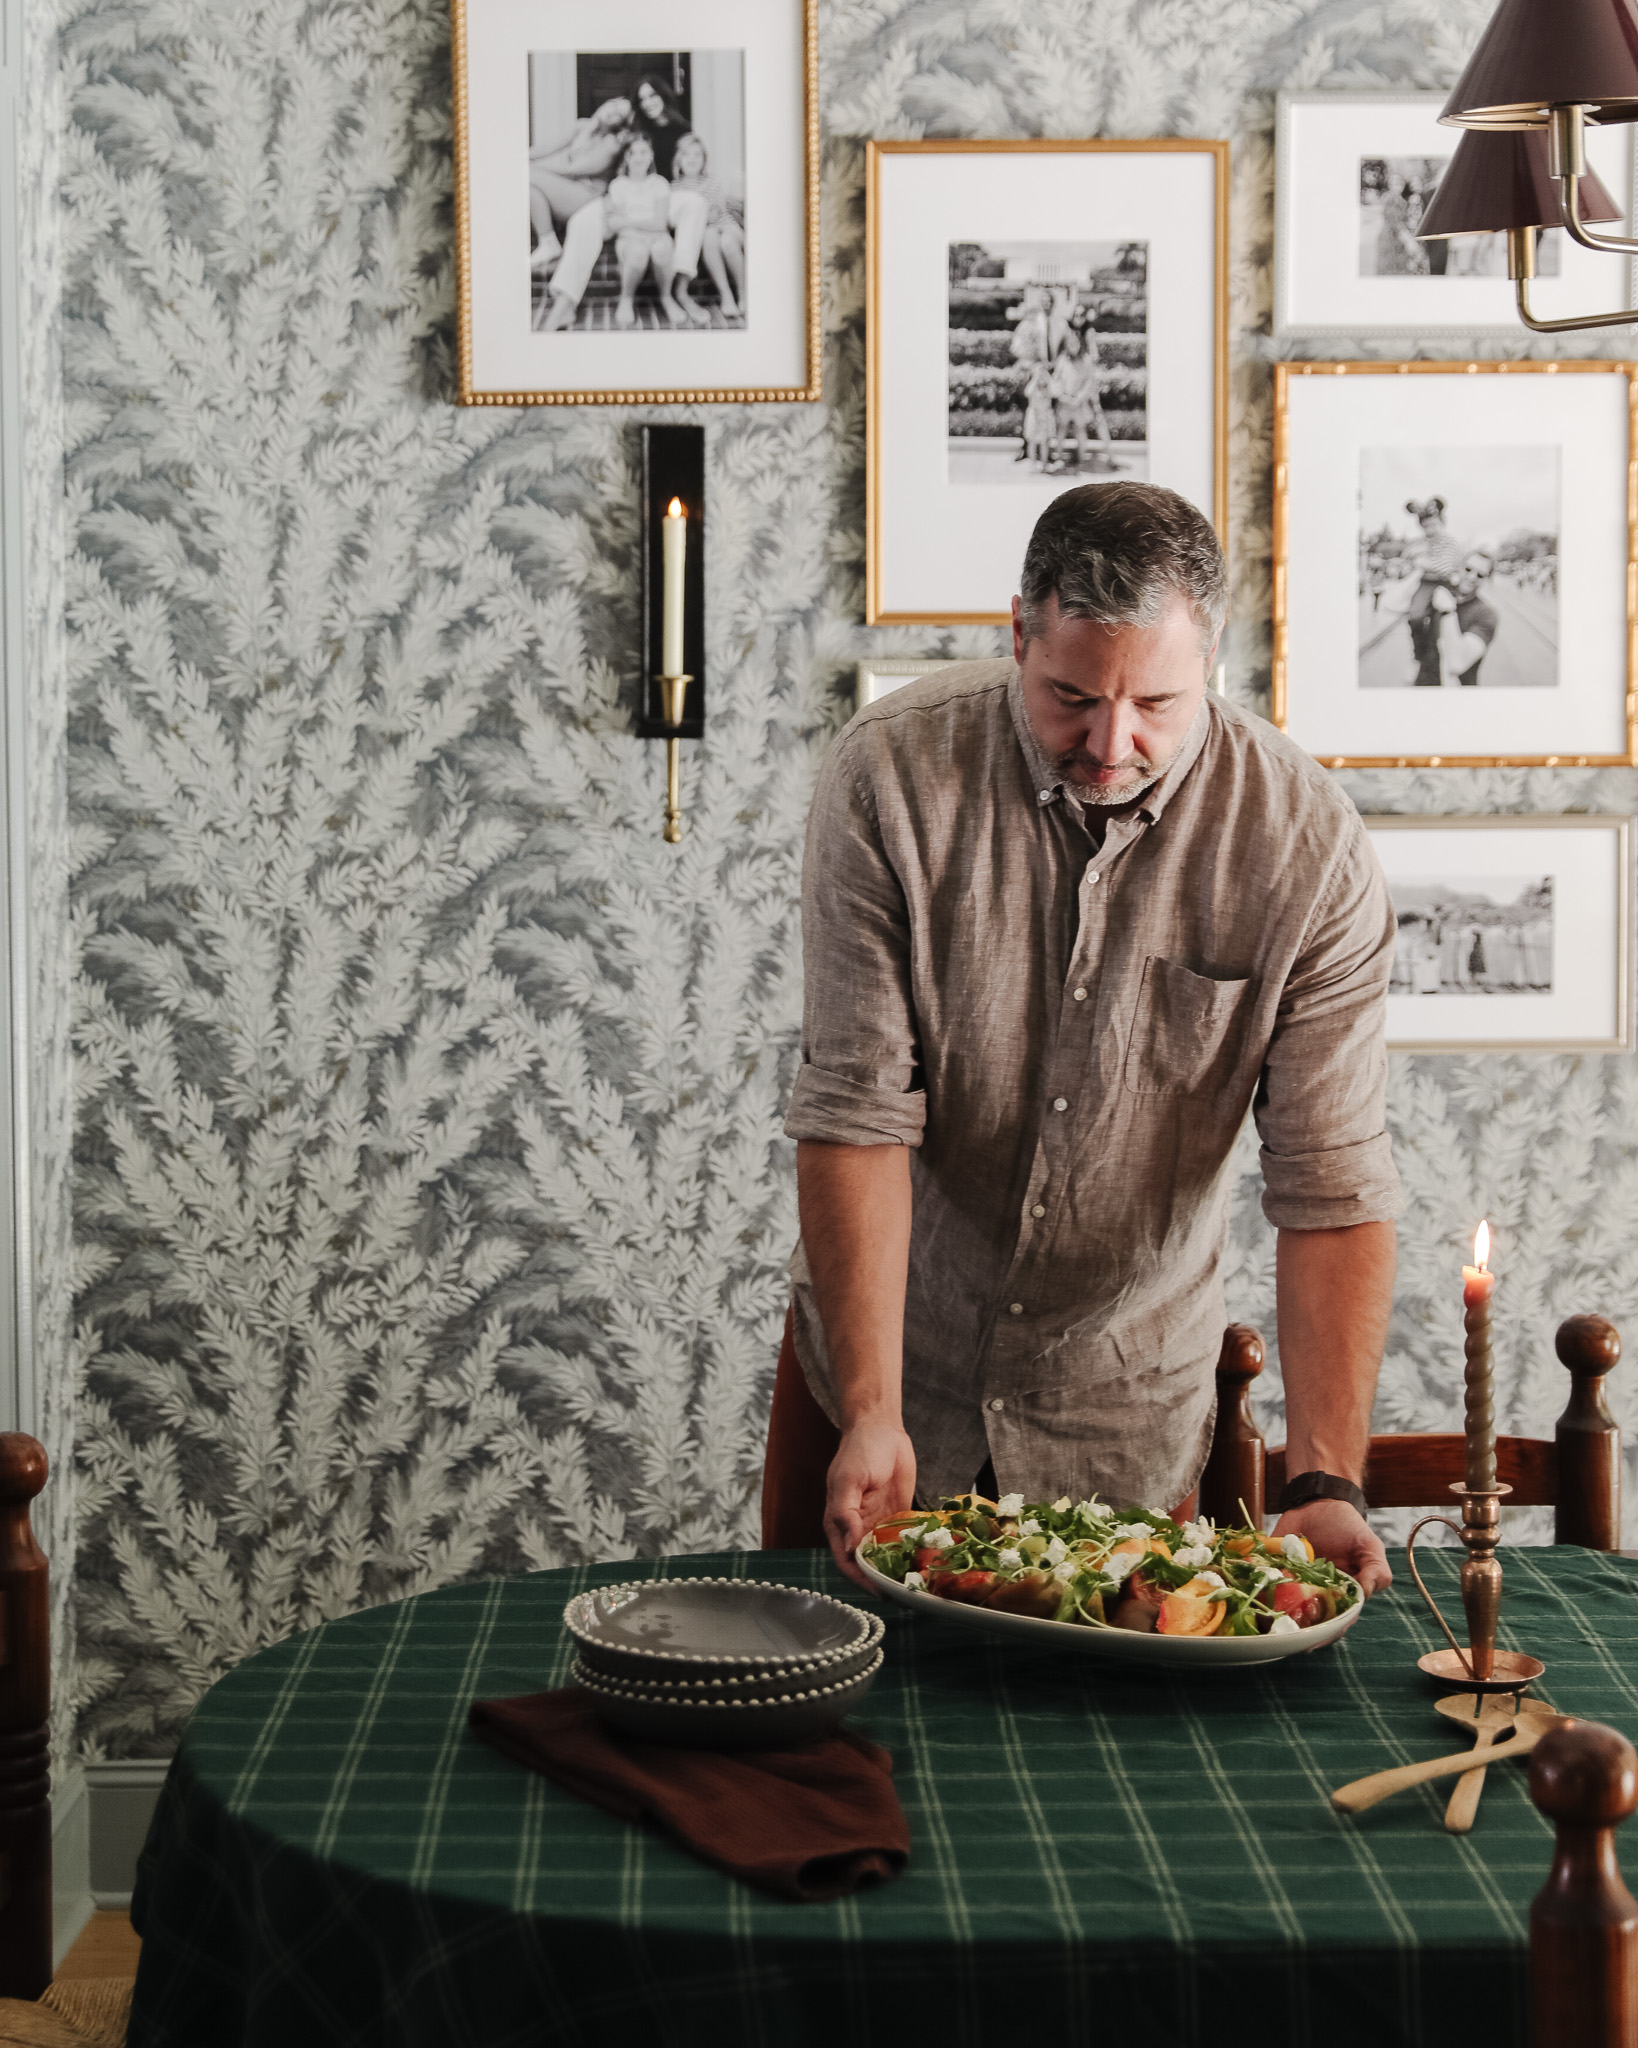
1543	69
672	698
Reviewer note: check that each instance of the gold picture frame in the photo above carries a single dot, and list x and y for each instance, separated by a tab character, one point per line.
1614	913
1284	375
877	610
807	391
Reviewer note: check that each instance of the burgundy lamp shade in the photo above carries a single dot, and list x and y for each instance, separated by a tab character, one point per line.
1541	53
1498	180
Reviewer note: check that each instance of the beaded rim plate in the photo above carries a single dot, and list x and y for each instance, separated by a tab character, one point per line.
1119	1645
730	1724
718	1624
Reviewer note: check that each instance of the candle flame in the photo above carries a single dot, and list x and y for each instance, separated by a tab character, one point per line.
1481	1247
674	510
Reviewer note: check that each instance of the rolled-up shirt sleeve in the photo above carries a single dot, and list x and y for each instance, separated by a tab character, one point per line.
1321	1106
858	1083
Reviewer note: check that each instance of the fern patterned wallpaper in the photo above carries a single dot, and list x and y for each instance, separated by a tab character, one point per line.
430	1206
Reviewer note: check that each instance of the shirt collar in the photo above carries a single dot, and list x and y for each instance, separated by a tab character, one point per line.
1049	787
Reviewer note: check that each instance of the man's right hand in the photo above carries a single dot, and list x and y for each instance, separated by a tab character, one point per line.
872	1476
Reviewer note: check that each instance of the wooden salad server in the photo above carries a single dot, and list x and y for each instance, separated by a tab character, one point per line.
1489	1719
1534	1722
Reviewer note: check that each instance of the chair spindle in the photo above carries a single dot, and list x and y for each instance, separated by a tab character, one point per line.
25	1771
1588	1437
1584	1921
1234	1470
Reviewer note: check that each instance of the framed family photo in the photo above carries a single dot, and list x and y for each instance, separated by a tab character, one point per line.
1354	174
1455	557
636	201
1038	315
1511	934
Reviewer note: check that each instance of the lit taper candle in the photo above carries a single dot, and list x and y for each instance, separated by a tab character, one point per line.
674	556
1478	1284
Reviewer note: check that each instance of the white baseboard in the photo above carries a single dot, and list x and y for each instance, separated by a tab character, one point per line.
121	1798
71	1901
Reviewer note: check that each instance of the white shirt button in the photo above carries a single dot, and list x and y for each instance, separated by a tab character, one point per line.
1092	874
1043	796
1080	995
997	1406
1039	1209
1061	1103
1018	1308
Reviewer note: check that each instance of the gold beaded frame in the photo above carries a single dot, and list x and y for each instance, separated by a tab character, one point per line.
1283	374
807	392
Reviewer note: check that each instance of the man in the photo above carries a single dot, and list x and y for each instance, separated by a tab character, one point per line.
1467	624
1065	918
1439	557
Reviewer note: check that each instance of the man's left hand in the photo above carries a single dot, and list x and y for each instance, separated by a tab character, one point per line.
1340	1533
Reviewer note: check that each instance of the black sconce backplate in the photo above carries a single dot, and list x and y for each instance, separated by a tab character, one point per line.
673	467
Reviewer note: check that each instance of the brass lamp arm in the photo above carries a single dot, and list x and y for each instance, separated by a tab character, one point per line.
1521	268
1577	229
1567	163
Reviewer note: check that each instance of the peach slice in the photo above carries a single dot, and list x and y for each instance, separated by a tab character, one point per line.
1189	1612
1140	1546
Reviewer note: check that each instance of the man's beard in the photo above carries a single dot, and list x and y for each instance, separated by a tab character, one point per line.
1070	766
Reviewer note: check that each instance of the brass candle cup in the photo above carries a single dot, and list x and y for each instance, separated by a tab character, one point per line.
1481	1667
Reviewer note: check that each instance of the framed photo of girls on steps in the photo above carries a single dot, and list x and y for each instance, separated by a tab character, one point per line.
636	201
1038	315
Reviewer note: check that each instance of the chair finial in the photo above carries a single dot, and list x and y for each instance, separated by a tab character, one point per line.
1588	1345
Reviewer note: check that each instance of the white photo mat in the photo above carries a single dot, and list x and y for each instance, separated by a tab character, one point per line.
503	360
1588	862
943	552
1326	416
877	678
1322	138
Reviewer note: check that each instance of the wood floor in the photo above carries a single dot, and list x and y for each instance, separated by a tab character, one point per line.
107	1946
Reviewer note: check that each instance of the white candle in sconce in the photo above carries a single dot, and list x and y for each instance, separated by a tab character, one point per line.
674	557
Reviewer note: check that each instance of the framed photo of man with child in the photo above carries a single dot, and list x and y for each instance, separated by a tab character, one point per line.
1039	314
1455	557
636	201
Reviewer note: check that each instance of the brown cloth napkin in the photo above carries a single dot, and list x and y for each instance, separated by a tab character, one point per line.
809	1823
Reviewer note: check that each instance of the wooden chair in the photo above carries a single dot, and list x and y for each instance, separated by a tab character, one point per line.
25	1689
1577	1473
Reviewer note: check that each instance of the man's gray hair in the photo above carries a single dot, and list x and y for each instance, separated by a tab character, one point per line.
1117	552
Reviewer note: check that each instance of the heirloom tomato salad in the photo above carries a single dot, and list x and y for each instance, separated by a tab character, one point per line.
1103	1567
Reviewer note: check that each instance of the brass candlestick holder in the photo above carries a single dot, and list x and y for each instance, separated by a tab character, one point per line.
1481	1667
673	692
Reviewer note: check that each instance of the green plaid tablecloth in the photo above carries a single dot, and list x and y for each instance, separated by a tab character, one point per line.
1094	1858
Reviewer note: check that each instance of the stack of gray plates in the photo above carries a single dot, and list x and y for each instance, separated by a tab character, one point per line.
721	1663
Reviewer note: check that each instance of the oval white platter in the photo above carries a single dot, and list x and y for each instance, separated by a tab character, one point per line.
1120	1645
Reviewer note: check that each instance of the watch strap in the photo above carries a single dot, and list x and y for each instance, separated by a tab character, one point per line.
1309	1486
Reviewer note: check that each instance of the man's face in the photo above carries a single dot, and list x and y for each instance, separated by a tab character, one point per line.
1111	705
1471	574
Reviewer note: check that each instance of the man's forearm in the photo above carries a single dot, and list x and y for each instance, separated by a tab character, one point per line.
855	1209
1335	1291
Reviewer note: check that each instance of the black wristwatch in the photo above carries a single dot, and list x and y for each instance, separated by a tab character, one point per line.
1309	1486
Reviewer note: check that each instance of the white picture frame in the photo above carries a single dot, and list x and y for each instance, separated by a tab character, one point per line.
884	673
1326	239
1531	468
1119	251
1514	933
571	288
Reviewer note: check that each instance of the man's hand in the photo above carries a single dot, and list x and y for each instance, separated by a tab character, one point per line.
1338	1532
872	1476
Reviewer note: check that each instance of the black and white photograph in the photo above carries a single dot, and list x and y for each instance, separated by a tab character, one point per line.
1394	193
1512	933
636	190
1048	361
1458	568
1489	936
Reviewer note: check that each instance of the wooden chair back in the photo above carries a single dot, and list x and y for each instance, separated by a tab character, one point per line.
1577	1472
25	1699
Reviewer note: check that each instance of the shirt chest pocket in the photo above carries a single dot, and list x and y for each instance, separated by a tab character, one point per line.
1189	1030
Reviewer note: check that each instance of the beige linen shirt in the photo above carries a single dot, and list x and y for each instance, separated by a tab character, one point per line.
1069	1036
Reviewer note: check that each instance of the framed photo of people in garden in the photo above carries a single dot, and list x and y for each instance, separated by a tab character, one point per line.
1354	174
1455	557
636	201
1512	934
1039	315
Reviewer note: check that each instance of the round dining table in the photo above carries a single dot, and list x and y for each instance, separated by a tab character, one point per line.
1096	1856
